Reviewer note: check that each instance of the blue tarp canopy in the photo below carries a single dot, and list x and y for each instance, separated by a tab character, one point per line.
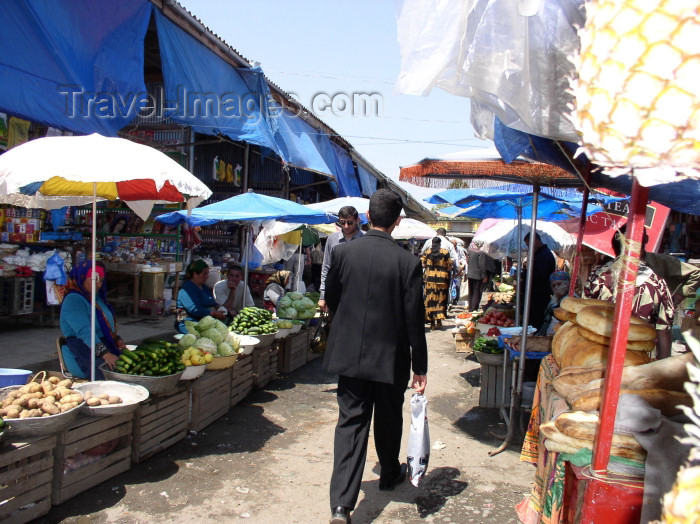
497	203
248	207
74	65
202	90
682	195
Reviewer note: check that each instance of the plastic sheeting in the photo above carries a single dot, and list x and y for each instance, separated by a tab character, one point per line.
512	66
73	65
205	92
367	181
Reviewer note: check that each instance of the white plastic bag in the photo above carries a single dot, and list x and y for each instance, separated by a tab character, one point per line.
418	439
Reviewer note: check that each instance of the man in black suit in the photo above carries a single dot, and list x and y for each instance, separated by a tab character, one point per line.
375	290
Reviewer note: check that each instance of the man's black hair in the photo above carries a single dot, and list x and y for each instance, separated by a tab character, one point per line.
384	207
347	212
527	236
441	231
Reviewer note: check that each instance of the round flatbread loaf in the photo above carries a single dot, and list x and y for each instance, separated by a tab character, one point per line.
599	319
641	345
565	316
575	304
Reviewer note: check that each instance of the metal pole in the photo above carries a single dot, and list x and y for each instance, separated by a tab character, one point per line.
93	277
579	239
520	263
517	393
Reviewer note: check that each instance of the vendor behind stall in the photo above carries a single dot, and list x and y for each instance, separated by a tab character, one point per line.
195	300
652	301
231	294
75	322
275	287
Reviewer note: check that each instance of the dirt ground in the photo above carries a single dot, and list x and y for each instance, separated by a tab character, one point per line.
270	459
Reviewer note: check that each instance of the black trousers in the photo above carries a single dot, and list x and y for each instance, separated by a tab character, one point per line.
476	289
357	399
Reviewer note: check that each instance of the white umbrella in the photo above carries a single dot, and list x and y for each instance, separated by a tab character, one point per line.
502	239
411	228
59	171
333	206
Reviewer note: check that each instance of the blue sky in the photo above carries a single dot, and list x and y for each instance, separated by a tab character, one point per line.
327	51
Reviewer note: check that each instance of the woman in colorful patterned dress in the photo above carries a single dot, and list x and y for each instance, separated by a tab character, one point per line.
437	266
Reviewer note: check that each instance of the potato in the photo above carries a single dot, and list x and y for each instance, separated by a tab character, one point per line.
24	389
104	402
14	394
104	396
115	400
50	400
22	401
93	401
35	412
34	388
65	407
46	415
7	402
46	387
50	409
75	397
54	380
87	394
68	383
35	395
35	403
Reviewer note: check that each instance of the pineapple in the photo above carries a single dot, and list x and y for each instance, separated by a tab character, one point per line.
682	503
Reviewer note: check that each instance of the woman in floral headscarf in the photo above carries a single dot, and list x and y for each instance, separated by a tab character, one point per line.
75	322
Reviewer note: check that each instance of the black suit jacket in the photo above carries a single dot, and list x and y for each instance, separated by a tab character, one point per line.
375	289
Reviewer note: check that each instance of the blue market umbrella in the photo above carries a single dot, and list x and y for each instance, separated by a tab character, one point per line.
248	207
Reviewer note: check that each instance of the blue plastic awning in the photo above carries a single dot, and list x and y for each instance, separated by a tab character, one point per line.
248	207
345	174
74	65
205	92
367	181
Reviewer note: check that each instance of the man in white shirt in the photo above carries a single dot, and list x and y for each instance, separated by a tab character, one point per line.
231	293
349	223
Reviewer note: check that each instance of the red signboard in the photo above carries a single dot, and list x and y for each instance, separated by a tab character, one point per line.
600	227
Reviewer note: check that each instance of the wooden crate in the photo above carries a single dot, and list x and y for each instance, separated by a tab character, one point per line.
210	398
83	435
492	384
464	342
26	476
292	352
160	422
241	378
264	366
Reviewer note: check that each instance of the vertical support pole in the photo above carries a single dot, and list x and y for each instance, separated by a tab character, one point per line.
576	266
93	277
618	343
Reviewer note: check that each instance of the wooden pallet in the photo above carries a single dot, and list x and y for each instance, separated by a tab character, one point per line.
292	352
84	435
264	366
210	398
241	378
26	476
160	422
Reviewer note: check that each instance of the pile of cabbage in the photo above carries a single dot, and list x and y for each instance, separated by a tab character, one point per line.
210	335
295	305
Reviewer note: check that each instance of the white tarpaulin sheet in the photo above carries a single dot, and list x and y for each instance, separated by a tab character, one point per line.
510	65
